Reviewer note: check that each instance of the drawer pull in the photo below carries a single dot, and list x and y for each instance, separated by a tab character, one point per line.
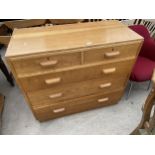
52	81
112	54
59	110
108	71
103	100
49	63
105	85
55	95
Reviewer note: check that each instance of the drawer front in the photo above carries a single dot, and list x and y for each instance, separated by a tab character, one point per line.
111	53
111	70
78	105
71	91
34	64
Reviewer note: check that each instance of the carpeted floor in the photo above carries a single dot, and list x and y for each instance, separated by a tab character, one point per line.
120	119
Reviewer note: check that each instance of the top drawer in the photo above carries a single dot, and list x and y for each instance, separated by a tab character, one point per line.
111	53
43	62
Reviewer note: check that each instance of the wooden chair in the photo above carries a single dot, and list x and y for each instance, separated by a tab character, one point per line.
147	123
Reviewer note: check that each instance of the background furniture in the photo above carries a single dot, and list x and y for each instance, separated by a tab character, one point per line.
148	23
6	29
4	40
147	123
145	63
24	23
4	35
65	21
11	24
6	72
72	68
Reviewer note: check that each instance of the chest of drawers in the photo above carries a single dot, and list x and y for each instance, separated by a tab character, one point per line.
72	68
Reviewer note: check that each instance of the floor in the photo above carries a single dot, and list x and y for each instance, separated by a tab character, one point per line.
120	119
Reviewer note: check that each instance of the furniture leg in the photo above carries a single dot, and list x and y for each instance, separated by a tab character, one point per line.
149	85
6	73
129	92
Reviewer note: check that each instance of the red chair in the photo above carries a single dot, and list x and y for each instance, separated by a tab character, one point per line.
143	68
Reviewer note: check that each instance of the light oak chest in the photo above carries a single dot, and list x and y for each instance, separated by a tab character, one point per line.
72	68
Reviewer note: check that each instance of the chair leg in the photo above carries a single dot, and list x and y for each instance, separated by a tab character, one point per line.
149	85
6	73
131	85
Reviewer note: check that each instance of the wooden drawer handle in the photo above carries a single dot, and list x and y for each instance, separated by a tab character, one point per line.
103	100
59	110
105	85
109	70
49	63
112	54
53	81
55	95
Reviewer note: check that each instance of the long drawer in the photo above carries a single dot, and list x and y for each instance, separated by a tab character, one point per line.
111	70
77	105
45	62
111	53
71	91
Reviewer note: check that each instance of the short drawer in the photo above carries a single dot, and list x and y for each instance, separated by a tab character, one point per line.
106	71
77	105
71	91
34	64
111	53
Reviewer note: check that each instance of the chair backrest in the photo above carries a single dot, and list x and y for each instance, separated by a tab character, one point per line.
148	23
141	30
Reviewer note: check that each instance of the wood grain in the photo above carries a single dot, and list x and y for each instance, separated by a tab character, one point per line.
5	40
111	53
72	68
44	113
33	43
41	62
70	91
37	82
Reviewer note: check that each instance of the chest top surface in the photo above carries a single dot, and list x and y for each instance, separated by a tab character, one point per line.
71	36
